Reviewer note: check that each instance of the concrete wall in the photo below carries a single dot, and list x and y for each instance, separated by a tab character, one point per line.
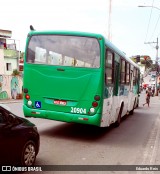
2	63
10	87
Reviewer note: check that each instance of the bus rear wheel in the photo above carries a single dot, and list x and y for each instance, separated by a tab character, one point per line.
132	111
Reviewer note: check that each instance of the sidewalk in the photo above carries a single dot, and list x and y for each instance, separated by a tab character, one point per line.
156	146
5	101
152	148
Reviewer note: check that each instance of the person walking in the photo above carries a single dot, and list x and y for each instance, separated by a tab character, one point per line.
153	90
148	95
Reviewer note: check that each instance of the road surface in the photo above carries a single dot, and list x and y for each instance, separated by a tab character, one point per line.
134	142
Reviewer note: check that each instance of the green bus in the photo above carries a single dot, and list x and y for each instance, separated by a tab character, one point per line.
78	77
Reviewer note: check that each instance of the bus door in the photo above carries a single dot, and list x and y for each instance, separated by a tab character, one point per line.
130	96
115	99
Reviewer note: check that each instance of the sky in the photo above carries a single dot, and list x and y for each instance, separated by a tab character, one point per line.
131	27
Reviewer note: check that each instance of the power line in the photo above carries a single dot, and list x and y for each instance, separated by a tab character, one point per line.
155	28
157	47
149	21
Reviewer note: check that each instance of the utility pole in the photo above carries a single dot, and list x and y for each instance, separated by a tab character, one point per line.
157	67
109	20
157	47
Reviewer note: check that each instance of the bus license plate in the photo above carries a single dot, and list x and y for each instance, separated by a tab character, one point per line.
60	102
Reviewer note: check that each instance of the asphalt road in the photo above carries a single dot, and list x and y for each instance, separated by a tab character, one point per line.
134	142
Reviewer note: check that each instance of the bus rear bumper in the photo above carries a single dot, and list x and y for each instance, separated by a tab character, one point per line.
61	116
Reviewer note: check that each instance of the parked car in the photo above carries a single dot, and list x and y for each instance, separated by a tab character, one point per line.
19	139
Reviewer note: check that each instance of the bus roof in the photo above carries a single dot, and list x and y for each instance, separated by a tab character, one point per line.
119	52
107	42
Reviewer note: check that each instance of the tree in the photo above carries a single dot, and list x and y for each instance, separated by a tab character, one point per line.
15	72
22	55
144	59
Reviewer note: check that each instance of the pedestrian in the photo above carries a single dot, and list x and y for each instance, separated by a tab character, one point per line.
153	90
148	94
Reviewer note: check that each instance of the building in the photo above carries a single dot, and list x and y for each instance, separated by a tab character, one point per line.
10	84
9	55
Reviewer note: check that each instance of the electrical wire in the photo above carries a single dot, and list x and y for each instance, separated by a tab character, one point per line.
155	28
158	34
149	22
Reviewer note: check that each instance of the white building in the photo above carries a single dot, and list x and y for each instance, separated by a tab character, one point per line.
10	85
9	55
2	62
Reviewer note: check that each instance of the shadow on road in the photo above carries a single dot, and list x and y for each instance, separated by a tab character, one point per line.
80	132
76	131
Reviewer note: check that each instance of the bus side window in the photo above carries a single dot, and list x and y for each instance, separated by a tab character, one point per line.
109	67
134	76
30	56
127	73
123	71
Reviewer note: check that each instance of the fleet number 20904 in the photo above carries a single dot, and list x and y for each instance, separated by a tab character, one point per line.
78	110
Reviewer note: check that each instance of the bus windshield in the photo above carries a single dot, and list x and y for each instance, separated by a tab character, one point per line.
74	51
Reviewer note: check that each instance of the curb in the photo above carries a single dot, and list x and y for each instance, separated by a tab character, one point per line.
10	101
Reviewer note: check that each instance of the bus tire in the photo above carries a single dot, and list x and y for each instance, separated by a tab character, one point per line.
132	111
137	105
117	123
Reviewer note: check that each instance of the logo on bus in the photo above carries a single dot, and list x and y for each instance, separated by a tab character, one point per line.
37	104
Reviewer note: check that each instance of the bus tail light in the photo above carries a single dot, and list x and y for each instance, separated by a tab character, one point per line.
27	96
94	104
97	97
25	90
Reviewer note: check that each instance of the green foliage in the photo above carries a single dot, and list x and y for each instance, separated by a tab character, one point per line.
22	55
145	60
15	72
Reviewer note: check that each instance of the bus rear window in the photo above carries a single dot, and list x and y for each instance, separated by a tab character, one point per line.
61	50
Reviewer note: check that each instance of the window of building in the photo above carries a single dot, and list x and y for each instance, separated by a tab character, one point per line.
8	67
